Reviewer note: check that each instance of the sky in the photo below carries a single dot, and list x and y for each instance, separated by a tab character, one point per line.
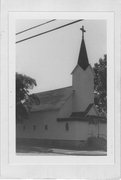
51	58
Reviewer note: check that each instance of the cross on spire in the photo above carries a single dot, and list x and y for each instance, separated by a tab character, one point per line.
83	31
83	58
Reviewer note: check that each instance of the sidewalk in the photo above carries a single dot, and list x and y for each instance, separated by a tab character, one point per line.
54	151
79	153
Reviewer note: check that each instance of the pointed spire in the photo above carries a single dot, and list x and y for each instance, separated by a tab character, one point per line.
83	59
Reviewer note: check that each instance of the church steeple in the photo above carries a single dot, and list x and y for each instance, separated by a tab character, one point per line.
83	59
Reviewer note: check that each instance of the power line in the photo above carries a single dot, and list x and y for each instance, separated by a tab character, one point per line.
48	31
35	27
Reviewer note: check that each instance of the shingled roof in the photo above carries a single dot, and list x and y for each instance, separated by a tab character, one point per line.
54	99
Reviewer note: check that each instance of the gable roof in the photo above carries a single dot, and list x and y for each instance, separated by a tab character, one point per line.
84	113
89	118
51	100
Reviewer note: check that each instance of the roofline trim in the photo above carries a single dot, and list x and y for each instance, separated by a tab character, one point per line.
82	68
84	119
52	90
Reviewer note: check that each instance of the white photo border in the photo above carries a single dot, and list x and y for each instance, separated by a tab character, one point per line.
49	167
109	17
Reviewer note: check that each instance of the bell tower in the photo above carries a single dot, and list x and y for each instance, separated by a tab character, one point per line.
82	80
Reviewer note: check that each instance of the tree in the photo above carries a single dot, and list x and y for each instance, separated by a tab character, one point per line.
100	85
23	97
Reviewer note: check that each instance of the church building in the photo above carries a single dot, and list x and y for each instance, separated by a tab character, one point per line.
66	117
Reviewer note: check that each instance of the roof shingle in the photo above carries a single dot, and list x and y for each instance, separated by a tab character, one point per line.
54	99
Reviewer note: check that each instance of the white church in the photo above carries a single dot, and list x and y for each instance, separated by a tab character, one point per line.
66	117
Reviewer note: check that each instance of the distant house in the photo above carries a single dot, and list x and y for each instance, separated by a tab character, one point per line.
65	117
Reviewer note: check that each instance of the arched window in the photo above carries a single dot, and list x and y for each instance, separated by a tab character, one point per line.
67	127
46	127
34	127
24	128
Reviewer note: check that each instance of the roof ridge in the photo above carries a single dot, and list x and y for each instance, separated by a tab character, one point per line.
52	90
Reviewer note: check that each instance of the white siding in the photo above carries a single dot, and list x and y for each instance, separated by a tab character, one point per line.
40	120
95	130
78	130
56	130
103	130
84	87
